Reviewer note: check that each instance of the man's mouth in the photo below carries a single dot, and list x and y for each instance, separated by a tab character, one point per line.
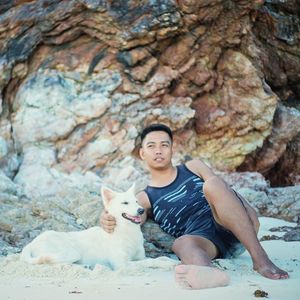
133	219
158	159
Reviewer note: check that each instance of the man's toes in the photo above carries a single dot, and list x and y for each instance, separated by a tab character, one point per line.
184	284
273	274
180	277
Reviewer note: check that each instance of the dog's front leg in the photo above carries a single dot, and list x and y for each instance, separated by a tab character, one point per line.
119	262
140	254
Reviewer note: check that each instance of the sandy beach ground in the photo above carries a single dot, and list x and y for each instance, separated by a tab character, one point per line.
151	278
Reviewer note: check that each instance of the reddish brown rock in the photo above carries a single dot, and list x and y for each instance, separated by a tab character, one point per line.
161	49
285	128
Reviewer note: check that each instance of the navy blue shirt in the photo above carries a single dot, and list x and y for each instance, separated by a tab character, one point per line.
180	207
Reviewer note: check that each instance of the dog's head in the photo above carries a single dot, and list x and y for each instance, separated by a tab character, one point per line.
122	205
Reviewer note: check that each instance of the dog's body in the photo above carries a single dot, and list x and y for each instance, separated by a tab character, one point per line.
94	245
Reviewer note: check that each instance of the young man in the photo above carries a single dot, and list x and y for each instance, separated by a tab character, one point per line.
208	219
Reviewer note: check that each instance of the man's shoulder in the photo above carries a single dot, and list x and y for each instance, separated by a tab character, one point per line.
141	194
143	199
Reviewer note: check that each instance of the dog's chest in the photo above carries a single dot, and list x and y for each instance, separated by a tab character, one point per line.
99	245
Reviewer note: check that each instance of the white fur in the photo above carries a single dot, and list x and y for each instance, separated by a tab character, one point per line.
94	245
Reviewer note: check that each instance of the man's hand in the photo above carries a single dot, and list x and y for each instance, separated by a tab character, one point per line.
107	222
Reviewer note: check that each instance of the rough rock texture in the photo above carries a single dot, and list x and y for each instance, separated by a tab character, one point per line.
274	156
231	62
235	119
80	78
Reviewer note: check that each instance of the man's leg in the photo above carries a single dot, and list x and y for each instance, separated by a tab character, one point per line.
197	271
230	213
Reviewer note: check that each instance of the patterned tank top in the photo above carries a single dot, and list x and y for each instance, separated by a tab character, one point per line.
179	205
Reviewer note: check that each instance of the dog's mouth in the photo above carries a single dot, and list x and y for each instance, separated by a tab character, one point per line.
133	219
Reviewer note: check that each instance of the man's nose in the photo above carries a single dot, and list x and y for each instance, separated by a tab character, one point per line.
157	150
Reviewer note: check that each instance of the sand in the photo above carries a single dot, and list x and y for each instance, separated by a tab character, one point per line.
151	278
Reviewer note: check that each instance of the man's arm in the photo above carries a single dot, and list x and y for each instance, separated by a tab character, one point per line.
200	168
251	212
108	222
143	201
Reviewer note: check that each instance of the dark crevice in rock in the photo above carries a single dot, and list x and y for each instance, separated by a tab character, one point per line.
286	170
96	60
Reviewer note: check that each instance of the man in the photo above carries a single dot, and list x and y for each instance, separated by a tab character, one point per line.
208	219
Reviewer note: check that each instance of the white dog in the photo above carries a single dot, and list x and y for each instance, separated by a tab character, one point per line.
94	245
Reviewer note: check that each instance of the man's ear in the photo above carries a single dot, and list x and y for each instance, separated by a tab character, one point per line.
141	152
107	195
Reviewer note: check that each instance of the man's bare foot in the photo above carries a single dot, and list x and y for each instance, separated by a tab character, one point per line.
269	270
200	277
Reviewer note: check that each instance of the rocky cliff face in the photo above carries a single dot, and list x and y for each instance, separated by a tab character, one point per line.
79	79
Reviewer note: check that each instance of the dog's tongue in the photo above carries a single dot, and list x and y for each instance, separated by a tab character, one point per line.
134	219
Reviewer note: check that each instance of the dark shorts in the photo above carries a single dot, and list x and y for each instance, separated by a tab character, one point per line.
227	244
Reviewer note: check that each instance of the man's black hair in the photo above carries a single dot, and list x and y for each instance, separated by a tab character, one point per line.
156	127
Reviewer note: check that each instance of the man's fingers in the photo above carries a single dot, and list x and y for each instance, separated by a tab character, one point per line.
110	222
108	217
107	221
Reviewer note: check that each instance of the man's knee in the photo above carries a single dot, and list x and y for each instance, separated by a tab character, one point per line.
183	243
189	246
179	243
213	186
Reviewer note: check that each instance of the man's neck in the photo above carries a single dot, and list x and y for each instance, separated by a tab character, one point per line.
163	177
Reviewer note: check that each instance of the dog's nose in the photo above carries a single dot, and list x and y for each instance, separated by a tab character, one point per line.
140	211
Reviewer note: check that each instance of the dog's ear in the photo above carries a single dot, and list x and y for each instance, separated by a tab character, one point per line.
107	195
132	188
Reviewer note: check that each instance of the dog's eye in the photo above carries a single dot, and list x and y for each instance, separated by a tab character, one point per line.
125	202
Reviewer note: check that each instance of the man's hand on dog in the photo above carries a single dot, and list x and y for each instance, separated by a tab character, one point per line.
107	222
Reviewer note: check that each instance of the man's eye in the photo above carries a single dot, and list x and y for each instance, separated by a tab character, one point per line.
125	202
165	145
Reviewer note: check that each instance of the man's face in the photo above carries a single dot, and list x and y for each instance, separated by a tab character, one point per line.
156	149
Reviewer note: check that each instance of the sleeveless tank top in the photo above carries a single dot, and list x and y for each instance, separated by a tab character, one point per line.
179	206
